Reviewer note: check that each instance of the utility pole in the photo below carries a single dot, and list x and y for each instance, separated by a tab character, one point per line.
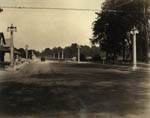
62	54
78	53
33	55
134	31
26	48
11	29
58	55
53	55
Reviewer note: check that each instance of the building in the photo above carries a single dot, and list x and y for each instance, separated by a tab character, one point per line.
5	50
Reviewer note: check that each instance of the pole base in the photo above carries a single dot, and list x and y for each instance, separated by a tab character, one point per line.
134	67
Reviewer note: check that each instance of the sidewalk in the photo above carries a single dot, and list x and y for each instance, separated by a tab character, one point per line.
11	69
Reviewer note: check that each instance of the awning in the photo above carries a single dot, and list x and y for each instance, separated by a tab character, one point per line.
4	49
7	49
2	37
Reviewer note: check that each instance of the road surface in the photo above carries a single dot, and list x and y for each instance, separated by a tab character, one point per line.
68	90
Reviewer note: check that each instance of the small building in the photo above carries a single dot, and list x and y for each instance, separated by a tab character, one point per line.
5	50
7	53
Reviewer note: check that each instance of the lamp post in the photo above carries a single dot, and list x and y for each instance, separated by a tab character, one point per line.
134	31
62	54
26	48
78	53
53	55
11	29
58	55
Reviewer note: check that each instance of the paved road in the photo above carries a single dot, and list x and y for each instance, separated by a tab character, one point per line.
66	90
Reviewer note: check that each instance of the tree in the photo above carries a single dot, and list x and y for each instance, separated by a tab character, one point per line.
71	51
115	21
22	52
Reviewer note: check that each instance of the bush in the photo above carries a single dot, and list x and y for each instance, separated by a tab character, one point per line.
96	58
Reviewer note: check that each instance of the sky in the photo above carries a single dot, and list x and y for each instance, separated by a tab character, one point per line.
42	29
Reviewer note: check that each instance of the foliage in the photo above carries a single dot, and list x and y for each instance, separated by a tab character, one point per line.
23	53
72	51
115	21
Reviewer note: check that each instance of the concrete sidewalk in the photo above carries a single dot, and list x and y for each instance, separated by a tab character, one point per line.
16	67
11	69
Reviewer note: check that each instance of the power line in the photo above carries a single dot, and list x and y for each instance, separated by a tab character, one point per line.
49	8
66	9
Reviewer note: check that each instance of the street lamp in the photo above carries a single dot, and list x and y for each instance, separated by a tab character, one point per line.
78	46
53	55
62	54
149	41
58	55
26	48
12	29
134	31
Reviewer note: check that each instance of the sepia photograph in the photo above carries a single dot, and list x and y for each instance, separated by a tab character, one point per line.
74	58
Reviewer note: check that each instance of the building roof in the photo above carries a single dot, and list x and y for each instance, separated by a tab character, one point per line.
4	49
2	37
7	49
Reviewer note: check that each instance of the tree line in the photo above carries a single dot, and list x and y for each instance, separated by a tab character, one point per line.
22	53
87	53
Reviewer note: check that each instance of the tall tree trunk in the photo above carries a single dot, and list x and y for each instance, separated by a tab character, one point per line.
146	34
124	50
146	44
131	53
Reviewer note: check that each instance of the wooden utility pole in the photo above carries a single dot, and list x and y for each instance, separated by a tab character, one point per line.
11	29
78	53
26	48
58	55
53	55
62	54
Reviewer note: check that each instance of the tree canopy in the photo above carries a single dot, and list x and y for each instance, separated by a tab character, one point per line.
113	24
